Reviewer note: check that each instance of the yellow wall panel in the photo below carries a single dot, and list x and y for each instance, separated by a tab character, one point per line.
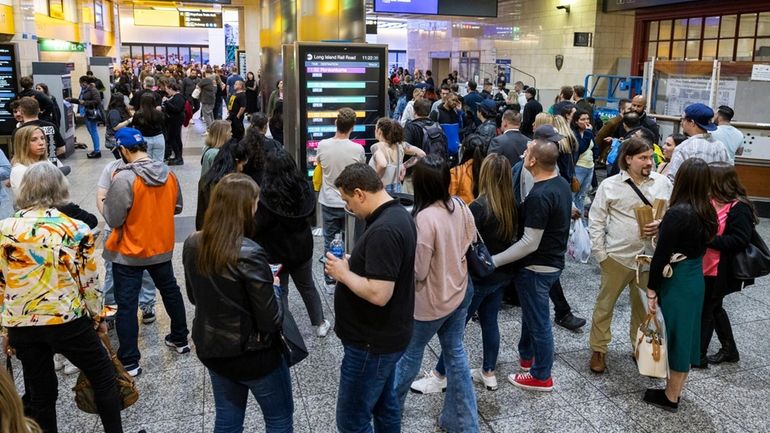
52	28
6	20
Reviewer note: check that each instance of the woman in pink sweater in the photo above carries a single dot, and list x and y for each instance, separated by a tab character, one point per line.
445	230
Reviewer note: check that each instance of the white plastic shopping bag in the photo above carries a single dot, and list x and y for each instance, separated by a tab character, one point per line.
579	244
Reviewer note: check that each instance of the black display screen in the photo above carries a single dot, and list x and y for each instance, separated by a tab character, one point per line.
9	76
336	76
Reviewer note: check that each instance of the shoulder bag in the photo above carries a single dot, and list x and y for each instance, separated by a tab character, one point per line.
85	397
754	261
480	263
292	343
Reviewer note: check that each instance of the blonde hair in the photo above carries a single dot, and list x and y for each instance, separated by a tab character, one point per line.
496	186
12	419
21	141
43	186
542	119
569	143
219	132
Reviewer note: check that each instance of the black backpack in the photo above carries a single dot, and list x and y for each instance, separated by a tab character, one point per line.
433	140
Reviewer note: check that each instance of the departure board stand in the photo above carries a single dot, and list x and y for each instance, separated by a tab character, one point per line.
9	79
321	78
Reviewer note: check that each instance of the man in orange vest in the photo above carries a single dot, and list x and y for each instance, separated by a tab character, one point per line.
140	206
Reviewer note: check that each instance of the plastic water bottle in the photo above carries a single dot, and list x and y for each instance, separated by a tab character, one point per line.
337	247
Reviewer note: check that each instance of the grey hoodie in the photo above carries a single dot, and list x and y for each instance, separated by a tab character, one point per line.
142	215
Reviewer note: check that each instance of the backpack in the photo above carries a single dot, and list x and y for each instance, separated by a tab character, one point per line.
433	140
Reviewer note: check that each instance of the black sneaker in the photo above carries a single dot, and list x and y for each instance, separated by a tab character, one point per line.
94	155
176	161
657	397
570	322
180	347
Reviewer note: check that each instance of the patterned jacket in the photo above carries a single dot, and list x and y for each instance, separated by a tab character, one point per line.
48	274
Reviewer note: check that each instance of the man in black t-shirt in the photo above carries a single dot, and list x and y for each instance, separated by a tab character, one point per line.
236	109
540	256
373	302
44	102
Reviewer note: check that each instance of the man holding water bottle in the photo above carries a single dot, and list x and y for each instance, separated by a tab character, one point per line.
373	302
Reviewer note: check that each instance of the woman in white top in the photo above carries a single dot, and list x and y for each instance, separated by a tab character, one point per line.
388	154
29	146
409	110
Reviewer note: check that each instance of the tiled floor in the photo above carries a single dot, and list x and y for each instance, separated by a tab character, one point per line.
176	391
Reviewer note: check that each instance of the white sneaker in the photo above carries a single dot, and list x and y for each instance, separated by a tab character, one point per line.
489	382
323	329
69	368
58	361
429	384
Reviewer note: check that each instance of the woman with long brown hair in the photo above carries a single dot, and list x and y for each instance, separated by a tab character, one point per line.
388	154
686	229
736	217
237	313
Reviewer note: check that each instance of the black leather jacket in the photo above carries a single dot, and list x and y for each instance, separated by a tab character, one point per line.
228	307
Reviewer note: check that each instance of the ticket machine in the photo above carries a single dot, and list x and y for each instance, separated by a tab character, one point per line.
58	77
103	70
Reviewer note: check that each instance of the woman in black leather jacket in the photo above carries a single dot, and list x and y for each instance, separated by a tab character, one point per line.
237	315
286	202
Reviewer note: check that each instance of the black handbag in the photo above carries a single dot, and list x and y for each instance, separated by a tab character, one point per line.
480	263
294	349
754	261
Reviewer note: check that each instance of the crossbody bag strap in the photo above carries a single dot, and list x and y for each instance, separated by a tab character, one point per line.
638	192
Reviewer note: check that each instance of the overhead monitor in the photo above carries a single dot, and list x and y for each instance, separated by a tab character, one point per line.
333	76
476	8
9	77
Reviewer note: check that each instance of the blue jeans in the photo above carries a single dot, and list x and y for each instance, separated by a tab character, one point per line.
272	392
146	296
367	391
93	131
459	413
584	176
536	330
487	299
156	147
333	222
128	283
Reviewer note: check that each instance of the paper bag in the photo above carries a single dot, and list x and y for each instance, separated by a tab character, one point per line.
643	217
659	208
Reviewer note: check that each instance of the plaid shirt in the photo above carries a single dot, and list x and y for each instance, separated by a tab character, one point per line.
702	146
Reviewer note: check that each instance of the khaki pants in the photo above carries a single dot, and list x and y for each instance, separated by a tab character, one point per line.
615	278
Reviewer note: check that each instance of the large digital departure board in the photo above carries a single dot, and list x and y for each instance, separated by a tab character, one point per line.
9	77
335	76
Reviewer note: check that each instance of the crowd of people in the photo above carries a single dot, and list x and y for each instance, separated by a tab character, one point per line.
509	175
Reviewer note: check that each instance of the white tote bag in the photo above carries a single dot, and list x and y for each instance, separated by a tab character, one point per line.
651	354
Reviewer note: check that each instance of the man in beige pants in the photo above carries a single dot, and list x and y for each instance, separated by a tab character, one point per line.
616	240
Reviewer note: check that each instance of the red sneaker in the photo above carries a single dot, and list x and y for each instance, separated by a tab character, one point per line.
526	381
526	364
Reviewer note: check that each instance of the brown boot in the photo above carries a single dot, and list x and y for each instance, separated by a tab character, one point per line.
598	364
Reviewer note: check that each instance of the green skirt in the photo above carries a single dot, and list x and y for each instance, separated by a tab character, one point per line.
681	302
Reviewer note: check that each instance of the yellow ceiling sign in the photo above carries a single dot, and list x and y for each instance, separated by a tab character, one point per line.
154	17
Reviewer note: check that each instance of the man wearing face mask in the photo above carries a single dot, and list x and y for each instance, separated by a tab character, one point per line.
140	205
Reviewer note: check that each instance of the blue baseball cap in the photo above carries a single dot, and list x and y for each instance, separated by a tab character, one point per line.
548	133
702	115
128	137
488	106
